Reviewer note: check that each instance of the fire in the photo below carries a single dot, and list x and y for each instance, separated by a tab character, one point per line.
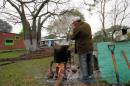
60	69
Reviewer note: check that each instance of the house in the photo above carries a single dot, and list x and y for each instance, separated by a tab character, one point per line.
121	34
9	41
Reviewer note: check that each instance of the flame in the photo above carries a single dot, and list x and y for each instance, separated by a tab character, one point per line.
61	69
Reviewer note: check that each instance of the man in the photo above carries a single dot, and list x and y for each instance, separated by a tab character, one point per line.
84	47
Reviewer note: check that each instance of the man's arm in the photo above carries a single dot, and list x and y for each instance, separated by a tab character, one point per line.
75	33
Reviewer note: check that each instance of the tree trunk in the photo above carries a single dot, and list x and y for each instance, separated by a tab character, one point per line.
38	37
34	36
34	40
104	32
30	46
30	40
27	35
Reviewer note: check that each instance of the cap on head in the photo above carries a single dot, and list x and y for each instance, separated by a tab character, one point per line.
77	18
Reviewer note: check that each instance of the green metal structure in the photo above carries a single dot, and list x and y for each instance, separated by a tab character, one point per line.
106	65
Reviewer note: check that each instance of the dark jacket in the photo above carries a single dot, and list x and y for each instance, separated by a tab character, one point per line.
83	38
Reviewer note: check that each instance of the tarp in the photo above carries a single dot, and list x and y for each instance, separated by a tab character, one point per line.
106	63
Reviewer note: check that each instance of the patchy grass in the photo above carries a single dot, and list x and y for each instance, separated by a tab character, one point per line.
12	54
24	73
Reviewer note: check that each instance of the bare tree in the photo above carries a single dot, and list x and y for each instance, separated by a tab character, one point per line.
32	14
119	13
103	14
100	8
62	24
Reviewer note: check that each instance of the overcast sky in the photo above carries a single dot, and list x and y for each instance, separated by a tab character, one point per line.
93	19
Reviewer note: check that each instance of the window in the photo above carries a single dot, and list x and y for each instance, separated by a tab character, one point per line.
9	42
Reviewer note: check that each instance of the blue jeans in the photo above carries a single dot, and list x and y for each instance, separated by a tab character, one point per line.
85	61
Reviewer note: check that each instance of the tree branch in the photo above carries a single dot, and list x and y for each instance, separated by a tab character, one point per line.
58	2
40	8
24	2
11	14
15	7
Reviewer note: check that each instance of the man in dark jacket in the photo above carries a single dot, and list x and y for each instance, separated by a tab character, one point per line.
84	47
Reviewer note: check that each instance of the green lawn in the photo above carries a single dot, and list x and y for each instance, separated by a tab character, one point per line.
24	73
12	54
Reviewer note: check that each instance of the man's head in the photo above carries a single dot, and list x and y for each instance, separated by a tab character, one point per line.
76	21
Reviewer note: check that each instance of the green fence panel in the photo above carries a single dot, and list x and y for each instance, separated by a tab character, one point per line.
106	63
